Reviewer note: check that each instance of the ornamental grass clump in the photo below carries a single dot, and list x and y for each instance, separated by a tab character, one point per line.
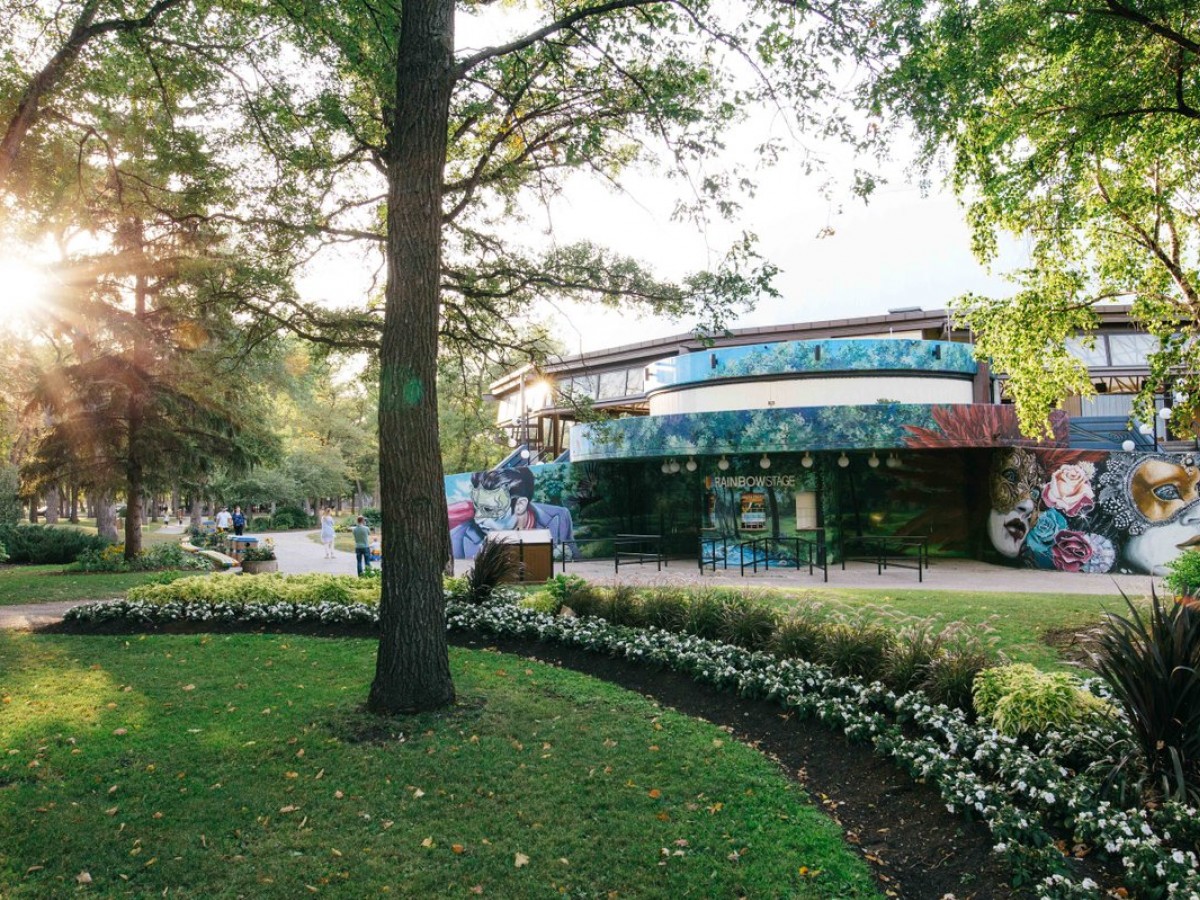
1150	663
914	648
747	623
801	634
950	678
855	648
619	605
705	613
1020	700
665	607
493	565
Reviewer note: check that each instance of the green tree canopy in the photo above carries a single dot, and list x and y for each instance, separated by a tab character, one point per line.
1075	127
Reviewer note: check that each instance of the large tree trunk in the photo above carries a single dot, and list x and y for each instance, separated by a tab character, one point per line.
196	512
106	520
412	671
52	505
134	470
73	509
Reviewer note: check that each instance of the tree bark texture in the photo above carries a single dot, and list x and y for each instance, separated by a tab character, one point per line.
52	504
412	670
106	520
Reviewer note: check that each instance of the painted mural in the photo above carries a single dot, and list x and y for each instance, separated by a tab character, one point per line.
878	426
502	500
751	515
1090	511
816	357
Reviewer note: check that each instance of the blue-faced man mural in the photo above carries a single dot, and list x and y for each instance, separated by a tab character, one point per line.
502	500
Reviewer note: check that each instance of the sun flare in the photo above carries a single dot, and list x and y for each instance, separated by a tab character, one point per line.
24	286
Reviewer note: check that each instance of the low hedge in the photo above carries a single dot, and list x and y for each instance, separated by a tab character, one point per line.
46	544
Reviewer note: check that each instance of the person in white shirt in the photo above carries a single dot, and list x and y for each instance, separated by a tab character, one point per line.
224	520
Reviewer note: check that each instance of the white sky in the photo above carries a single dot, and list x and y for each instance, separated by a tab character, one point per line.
900	249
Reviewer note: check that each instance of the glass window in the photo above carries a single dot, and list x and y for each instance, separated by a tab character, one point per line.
1131	349
612	385
1096	355
635	383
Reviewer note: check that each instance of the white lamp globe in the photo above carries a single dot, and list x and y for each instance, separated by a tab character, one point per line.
843	460
524	453
807	461
1127	446
666	467
691	464
873	462
723	463
1145	428
893	461
765	462
1164	413
674	467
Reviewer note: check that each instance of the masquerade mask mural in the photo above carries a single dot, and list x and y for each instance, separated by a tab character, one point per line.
1016	489
1155	500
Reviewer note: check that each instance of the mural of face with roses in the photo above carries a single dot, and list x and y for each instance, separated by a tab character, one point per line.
1015	488
1156	498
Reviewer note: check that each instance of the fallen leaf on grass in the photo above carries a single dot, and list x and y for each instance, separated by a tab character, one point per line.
654	794
476	889
520	860
84	878
120	732
428	842
189	687
418	794
288	809
457	848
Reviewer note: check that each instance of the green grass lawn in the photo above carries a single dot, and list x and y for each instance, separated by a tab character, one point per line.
45	584
241	765
151	532
1019	621
342	540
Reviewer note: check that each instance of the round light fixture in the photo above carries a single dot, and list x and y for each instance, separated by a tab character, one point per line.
512	442
674	466
1127	446
1164	413
843	460
524	453
873	462
893	461
765	462
666	468
1145	428
806	460
723	463
691	464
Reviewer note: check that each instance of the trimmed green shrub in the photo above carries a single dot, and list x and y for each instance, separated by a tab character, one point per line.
262	589
373	516
541	601
260	523
1022	700
45	544
1152	666
287	517
3	554
1183	577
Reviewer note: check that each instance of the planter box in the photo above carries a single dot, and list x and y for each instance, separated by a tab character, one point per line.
260	566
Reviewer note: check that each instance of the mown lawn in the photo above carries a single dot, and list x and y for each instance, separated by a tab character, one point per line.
241	765
46	584
1018	622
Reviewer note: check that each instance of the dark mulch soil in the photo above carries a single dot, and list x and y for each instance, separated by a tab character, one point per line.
915	847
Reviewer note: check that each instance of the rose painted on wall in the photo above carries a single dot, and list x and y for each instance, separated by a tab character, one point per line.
1069	489
1039	545
1071	551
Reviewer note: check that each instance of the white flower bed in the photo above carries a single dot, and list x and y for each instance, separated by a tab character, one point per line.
1023	796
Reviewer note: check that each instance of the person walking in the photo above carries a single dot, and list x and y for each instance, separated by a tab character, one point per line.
362	544
224	519
327	533
239	520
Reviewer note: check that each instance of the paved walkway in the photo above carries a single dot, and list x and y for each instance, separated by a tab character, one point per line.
299	554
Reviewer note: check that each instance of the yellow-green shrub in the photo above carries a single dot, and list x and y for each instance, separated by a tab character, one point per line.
1020	699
